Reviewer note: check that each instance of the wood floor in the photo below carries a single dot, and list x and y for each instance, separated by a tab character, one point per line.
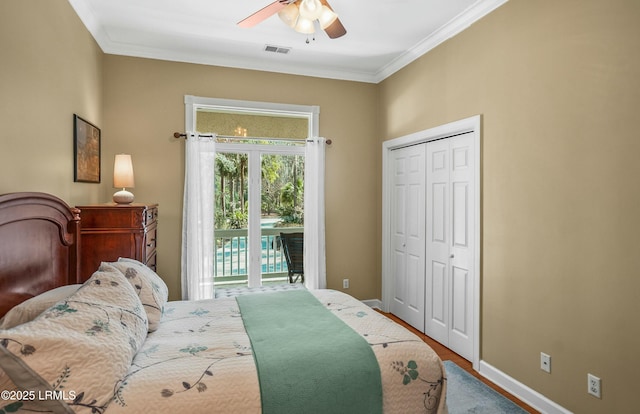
448	355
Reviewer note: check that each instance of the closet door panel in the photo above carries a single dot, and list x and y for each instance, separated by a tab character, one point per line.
460	282
460	215
415	282
437	242
449	211
399	287
438	222
461	249
438	296
408	235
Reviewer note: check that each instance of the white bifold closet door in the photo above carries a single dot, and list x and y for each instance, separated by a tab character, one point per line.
432	240
408	234
449	242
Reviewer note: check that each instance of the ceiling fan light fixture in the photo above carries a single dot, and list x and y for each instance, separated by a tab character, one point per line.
310	9
304	25
304	16
327	17
289	15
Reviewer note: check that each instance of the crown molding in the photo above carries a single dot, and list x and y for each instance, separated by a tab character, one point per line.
456	25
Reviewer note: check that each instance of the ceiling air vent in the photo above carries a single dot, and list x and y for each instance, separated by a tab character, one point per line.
277	49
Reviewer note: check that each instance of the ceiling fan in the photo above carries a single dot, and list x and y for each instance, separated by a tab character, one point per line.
301	16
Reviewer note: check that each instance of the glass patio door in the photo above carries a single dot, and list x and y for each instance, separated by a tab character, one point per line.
259	193
258	199
281	210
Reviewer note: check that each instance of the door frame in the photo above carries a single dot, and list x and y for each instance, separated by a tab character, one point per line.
311	113
466	125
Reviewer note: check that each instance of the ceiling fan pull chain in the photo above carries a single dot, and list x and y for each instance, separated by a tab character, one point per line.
312	38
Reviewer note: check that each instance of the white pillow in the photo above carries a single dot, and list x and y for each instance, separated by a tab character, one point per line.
29	309
151	289
81	347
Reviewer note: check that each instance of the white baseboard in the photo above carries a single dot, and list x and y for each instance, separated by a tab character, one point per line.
509	384
373	303
521	391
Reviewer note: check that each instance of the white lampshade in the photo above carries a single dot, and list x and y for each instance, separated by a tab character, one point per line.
289	15
310	9
123	171
304	25
327	17
123	178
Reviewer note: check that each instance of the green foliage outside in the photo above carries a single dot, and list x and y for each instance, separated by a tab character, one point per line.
282	190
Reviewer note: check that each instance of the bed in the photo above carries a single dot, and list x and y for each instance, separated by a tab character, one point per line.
114	344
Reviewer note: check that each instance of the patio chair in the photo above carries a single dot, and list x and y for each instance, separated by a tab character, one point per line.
293	245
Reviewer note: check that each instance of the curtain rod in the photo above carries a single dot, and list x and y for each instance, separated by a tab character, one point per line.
179	135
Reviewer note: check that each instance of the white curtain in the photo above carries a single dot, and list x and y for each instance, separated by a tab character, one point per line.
315	272
198	244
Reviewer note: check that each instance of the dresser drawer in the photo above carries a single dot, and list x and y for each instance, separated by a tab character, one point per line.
151	215
151	261
150	242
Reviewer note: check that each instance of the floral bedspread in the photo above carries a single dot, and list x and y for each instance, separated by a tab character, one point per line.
200	361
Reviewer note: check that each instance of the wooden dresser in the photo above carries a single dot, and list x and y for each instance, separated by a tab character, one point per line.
109	231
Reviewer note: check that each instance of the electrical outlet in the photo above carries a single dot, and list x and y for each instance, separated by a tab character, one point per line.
593	384
345	283
545	362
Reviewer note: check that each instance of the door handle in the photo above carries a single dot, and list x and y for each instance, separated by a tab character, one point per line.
451	256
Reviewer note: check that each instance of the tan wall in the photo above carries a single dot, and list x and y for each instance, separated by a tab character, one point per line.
558	88
557	85
144	105
50	68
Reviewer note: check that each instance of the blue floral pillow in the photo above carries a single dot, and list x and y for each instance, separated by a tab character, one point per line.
29	309
151	289
74	356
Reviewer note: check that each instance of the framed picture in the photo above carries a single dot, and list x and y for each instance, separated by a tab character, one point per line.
86	149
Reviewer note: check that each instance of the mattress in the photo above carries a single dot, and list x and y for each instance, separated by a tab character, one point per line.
200	360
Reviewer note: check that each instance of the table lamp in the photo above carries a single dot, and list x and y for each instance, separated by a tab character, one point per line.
123	178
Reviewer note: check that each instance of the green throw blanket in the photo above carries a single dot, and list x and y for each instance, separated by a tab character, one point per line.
309	361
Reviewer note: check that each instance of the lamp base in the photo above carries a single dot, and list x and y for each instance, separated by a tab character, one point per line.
123	197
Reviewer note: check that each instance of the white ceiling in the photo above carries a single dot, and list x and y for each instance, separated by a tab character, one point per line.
382	35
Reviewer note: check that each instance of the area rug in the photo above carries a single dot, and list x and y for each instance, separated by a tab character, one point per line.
467	394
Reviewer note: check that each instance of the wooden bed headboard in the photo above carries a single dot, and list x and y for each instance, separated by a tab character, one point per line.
39	246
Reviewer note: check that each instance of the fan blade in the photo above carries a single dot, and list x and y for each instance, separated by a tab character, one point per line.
335	29
263	13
